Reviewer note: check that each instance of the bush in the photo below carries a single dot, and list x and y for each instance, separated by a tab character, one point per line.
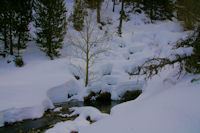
131	95
192	64
18	61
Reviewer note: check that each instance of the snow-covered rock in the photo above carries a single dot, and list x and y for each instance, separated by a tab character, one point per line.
80	121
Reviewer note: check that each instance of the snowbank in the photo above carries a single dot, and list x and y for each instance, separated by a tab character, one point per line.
80	121
173	110
23	91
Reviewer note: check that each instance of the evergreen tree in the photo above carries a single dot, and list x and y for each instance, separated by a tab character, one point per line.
188	12
7	22
4	23
95	4
91	4
23	17
154	9
158	9
78	15
50	22
11	24
15	16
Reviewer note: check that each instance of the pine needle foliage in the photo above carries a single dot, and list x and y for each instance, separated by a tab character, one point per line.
50	22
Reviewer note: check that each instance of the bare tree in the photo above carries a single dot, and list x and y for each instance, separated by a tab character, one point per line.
89	43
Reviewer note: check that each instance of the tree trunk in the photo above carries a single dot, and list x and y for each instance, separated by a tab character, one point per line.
113	5
5	38
10	32
121	18
98	11
19	44
50	38
50	48
87	58
87	67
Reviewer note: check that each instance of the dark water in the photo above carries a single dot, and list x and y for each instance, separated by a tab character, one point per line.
50	118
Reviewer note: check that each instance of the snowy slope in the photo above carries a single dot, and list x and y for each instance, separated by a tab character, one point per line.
23	91
166	105
173	110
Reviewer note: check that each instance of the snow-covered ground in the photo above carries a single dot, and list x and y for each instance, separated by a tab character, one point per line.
161	108
81	121
173	109
166	104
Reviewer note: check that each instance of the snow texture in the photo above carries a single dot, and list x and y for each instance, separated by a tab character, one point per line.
81	121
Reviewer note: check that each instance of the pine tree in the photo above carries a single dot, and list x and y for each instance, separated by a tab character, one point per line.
7	21
188	12
158	9
78	15
4	24
50	23
11	24
95	4
23	17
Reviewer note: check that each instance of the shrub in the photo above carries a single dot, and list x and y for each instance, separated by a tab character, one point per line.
18	61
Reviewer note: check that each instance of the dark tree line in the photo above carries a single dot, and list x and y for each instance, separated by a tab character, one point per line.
49	18
158	9
15	18
154	9
78	15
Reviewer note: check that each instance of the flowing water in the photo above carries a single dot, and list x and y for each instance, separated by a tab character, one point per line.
50	118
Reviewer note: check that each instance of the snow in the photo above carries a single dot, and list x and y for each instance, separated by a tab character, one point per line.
68	126
174	109
57	109
80	121
84	112
166	104
23	91
162	107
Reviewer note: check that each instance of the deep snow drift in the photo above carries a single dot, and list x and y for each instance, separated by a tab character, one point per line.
167	105
81	121
172	110
161	108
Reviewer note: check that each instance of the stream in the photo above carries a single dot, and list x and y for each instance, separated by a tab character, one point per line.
50	118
